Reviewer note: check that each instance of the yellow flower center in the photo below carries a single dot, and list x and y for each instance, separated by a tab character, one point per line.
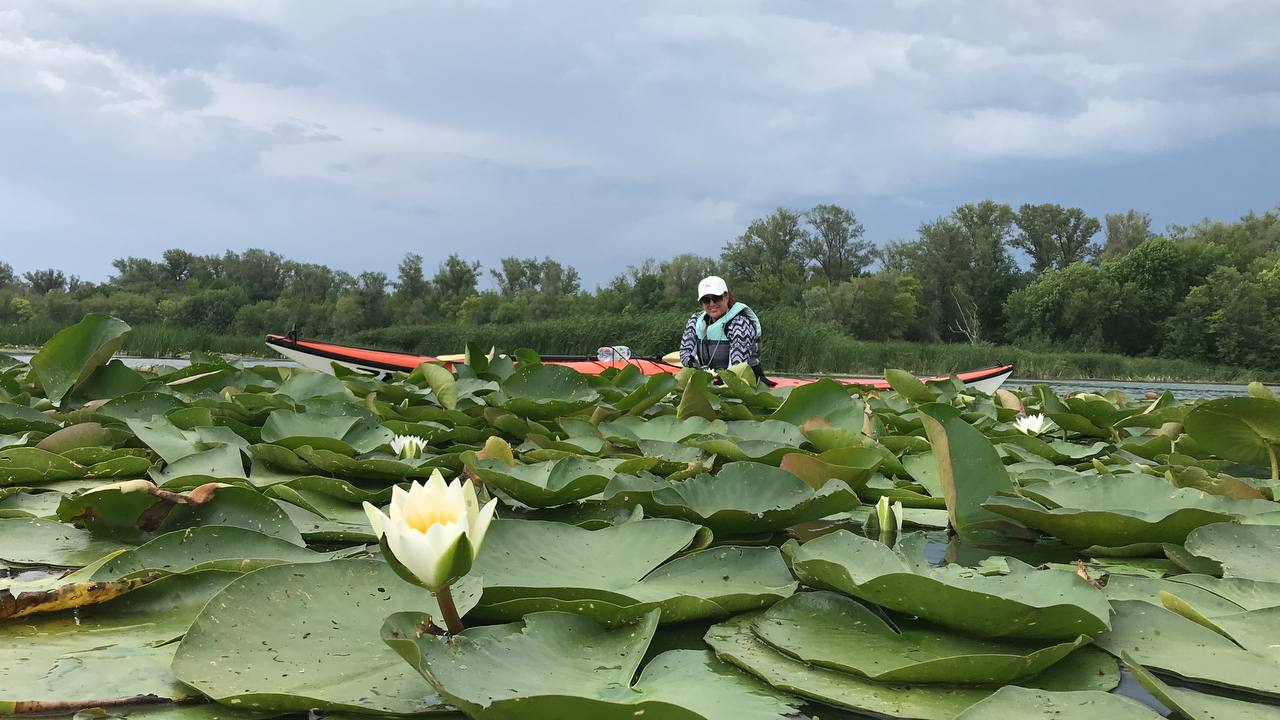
421	520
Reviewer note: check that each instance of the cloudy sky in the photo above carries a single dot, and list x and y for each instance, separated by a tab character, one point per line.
601	133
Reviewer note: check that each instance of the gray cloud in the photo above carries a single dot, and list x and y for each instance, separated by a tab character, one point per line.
599	134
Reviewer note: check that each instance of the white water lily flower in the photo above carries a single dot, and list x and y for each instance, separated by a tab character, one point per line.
408	447
434	530
1032	424
889	516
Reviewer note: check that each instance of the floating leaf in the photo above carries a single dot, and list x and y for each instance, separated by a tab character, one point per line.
71	355
742	498
1026	603
616	574
103	655
563	665
835	632
968	468
314	648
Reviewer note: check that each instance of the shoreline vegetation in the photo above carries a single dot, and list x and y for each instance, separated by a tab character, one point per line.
794	348
1061	295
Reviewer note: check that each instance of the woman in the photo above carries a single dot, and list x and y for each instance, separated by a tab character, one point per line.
726	332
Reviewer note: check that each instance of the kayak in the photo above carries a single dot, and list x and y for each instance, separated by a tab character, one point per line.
322	355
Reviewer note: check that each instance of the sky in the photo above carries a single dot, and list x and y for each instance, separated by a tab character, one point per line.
603	133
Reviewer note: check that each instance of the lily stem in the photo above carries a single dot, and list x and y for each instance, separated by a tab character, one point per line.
1275	465
444	599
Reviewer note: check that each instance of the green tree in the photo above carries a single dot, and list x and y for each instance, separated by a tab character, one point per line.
965	271
1232	318
835	244
1054	236
768	243
42	282
412	290
1153	279
1071	307
545	277
882	306
679	277
1125	231
456	278
260	273
7	277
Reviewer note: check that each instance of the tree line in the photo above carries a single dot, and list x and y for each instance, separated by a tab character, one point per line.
1038	276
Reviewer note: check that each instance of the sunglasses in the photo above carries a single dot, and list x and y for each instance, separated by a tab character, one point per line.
708	299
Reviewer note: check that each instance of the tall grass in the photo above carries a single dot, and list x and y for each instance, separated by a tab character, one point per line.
159	341
792	344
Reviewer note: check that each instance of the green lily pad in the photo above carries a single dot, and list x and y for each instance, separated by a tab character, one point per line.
169	441
20	418
366	468
1244	551
1192	705
832	631
14	503
566	666
969	469
1026	603
26	465
303	385
108	654
315	640
207	547
346	435
1015	703
1131	587
742	498
1243	429
1248	594
734	641
81	435
1169	643
222	463
32	541
856	467
71	355
544	392
825	398
1114	512
617	573
546	484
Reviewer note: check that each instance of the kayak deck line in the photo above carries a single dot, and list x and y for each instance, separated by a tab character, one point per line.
318	355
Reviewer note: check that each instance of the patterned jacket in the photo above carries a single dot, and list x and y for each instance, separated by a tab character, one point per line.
744	342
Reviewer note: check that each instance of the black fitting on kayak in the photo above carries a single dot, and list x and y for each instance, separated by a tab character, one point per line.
293	334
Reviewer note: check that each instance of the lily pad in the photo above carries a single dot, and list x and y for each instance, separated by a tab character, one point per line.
1114	511
222	463
1244	551
969	469
20	418
544	392
1192	705
1015	703
734	641
742	498
31	541
26	465
71	355
832	631
315	640
202	548
1169	643
546	484
109	654
1025	603
563	665
617	573
1243	429
346	435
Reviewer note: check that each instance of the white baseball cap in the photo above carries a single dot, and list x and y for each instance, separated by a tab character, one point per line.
712	285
